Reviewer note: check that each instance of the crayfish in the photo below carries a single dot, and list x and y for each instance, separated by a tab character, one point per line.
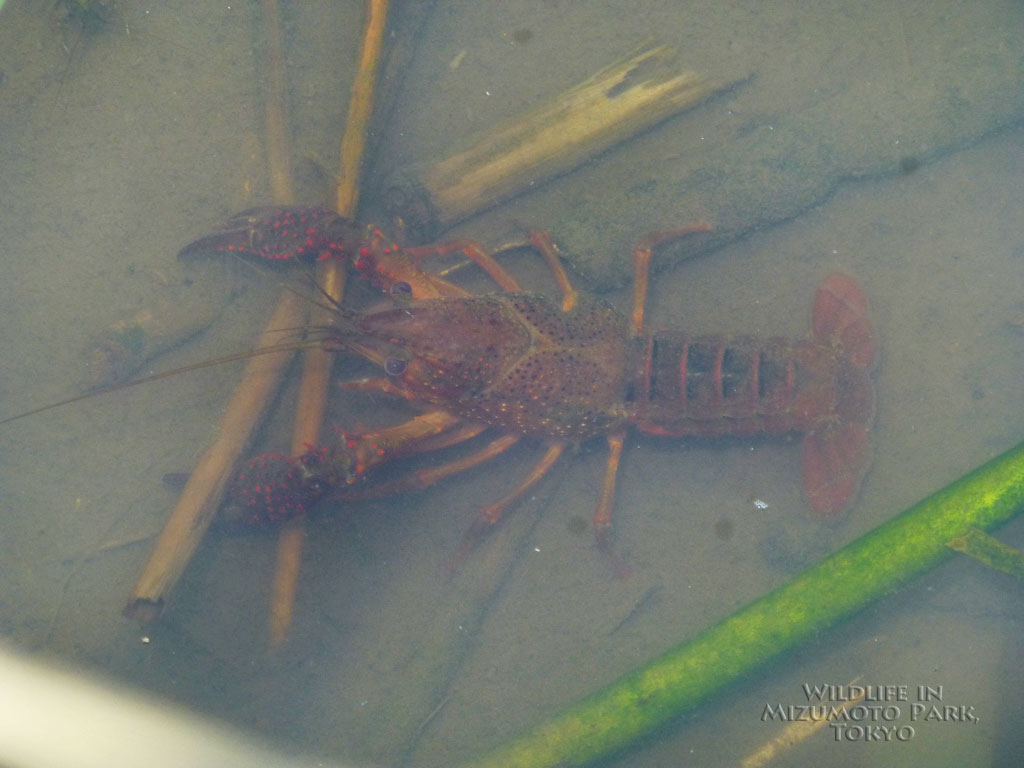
524	365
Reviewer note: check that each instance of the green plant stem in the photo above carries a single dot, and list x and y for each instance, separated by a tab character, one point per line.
874	565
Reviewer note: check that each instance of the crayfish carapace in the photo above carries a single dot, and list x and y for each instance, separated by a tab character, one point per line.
522	364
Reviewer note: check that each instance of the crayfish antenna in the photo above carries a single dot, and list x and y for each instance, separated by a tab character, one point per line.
287	346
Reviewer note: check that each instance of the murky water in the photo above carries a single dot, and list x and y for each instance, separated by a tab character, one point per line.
848	149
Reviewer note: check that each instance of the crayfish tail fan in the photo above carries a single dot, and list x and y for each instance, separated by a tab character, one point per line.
837	453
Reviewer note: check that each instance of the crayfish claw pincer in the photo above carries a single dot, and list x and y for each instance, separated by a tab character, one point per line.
273	487
280	233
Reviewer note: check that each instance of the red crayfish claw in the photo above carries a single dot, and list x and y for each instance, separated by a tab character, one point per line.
281	233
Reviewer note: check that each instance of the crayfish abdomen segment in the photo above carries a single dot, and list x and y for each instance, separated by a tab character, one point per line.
708	386
820	386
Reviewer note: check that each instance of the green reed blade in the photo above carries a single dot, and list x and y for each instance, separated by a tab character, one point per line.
874	565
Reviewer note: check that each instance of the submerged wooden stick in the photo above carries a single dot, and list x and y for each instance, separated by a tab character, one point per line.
204	491
798	731
863	571
990	551
205	488
618	102
279	156
331	277
360	108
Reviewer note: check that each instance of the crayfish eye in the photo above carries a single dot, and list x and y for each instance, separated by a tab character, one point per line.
401	289
395	367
